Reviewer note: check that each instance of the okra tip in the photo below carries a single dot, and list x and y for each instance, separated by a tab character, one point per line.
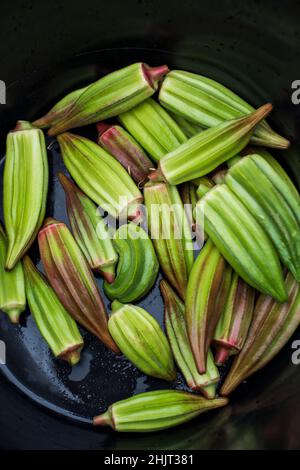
156	175
108	273
104	420
222	354
102	127
154	74
262	112
72	355
14	315
64	180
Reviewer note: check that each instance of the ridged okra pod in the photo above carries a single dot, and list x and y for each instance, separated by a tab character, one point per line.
141	339
235	320
242	241
178	337
249	180
154	411
206	102
207	291
53	321
170	233
121	145
90	230
12	284
71	277
25	186
154	129
206	151
272	326
137	267
100	176
109	96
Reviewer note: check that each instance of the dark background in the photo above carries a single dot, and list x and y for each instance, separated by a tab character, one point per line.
47	48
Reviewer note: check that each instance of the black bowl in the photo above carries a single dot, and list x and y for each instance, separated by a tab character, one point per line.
51	48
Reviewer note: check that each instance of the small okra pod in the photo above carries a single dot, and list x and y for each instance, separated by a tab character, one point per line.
137	267
25	187
12	284
233	325
53	321
121	145
141	340
89	230
176	329
100	176
205	102
207	291
170	233
206	151
71	277
272	326
154	411
109	96
242	241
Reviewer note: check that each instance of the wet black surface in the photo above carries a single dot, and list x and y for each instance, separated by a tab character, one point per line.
252	47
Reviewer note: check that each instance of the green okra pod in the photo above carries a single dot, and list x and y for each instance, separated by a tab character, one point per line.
90	230
137	267
12	284
176	329
170	233
25	187
141	340
154	129
100	176
53	321
249	180
206	151
154	411
242	241
206	102
107	97
207	291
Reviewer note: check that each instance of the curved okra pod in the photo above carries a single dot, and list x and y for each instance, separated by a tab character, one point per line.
206	294
89	230
206	151
141	340
233	325
206	102
70	276
53	321
12	284
242	241
170	233
178	338
100	176
126	150
25	187
154	129
154	411
107	97
272	326
137	267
